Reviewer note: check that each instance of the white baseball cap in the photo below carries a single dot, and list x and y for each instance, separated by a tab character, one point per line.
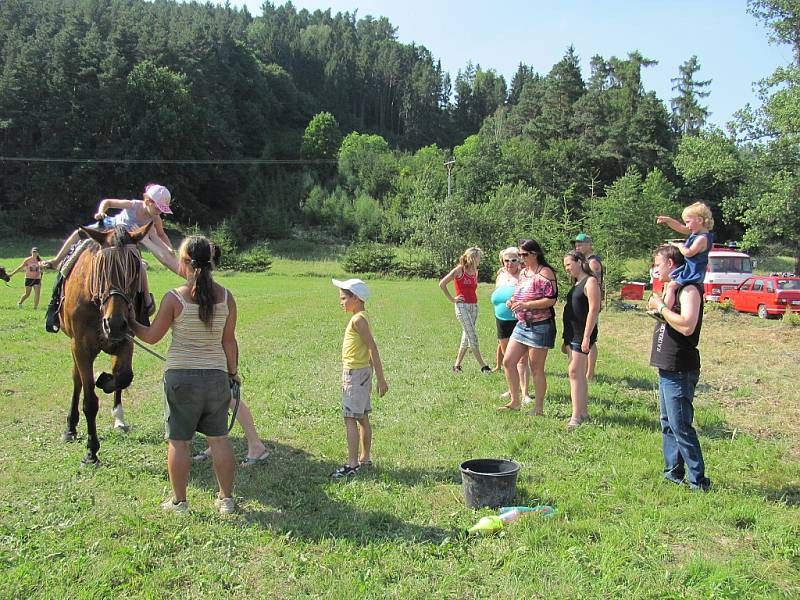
356	286
160	197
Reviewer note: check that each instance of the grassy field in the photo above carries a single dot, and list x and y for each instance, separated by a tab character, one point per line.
397	531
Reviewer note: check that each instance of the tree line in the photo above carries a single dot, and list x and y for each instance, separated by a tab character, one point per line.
328	121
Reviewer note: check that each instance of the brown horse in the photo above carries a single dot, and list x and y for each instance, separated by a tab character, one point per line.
95	312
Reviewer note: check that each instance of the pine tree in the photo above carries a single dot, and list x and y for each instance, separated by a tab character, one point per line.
687	114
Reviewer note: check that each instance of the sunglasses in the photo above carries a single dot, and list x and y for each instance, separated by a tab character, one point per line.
524	254
511	260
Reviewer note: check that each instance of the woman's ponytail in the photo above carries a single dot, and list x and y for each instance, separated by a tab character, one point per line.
199	251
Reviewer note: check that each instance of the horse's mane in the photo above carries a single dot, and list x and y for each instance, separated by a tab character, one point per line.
121	237
115	267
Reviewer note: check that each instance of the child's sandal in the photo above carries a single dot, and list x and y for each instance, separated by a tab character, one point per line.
344	471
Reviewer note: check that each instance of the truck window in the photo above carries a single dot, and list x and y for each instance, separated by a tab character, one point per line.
730	264
770	287
759	286
789	284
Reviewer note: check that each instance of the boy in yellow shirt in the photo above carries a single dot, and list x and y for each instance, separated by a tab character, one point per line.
359	358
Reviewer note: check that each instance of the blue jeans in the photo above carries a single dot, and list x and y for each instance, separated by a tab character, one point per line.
678	437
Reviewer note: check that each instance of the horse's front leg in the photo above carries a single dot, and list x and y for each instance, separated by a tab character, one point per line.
119	414
121	377
71	432
84	361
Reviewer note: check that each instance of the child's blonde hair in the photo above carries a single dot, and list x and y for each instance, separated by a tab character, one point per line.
471	257
698	209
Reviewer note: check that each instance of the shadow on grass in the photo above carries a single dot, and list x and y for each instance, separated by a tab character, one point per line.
788	494
636	383
717	430
293	489
628	420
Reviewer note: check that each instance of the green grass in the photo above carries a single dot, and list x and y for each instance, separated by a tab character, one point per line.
396	531
774	264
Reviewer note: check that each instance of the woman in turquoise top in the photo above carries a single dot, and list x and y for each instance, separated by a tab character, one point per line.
506	282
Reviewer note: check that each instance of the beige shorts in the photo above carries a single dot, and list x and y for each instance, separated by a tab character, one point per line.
356	388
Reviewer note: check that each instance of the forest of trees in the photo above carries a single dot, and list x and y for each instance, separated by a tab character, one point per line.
263	124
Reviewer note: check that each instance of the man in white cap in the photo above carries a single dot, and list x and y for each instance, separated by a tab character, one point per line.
359	357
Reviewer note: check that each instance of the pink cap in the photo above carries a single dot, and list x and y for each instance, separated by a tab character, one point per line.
160	197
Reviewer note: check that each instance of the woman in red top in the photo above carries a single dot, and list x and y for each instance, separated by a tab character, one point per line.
465	278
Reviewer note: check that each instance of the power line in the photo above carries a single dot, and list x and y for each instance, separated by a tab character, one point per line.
241	161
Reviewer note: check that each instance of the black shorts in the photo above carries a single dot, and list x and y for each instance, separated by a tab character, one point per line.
32	282
504	328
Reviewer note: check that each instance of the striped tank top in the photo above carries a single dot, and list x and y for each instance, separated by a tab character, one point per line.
194	345
355	354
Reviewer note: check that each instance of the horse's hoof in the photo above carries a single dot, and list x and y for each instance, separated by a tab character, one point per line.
123	427
69	436
90	461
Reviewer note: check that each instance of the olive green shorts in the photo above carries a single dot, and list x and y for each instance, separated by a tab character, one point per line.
196	400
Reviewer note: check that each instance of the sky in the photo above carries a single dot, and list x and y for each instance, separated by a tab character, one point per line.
731	45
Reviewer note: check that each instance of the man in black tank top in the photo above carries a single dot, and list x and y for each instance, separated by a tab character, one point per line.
674	352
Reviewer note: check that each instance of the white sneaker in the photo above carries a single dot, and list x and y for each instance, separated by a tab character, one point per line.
527	400
169	505
225	506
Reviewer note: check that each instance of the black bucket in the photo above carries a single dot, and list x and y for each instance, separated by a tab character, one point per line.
489	482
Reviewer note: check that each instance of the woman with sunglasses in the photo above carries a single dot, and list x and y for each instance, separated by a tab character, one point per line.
535	331
505	284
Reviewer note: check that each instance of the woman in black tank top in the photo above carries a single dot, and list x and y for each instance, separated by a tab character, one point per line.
580	331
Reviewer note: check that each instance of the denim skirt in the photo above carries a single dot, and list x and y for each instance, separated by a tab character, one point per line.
541	334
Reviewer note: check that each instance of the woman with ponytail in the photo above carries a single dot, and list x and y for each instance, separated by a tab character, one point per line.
202	362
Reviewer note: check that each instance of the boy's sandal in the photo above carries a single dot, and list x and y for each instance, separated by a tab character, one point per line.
457	369
344	471
486	369
365	463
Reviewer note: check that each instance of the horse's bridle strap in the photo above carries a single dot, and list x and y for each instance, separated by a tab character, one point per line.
115	292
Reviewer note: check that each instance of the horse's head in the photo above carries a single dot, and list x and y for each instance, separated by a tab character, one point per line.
3	275
115	277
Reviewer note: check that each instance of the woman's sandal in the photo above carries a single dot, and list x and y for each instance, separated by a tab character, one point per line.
202	456
507	407
252	461
457	369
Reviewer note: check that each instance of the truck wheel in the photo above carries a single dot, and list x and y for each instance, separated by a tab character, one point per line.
762	312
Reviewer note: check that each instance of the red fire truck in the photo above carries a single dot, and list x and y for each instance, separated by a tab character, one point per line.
727	268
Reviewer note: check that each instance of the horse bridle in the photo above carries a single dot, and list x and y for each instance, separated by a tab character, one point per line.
106	299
